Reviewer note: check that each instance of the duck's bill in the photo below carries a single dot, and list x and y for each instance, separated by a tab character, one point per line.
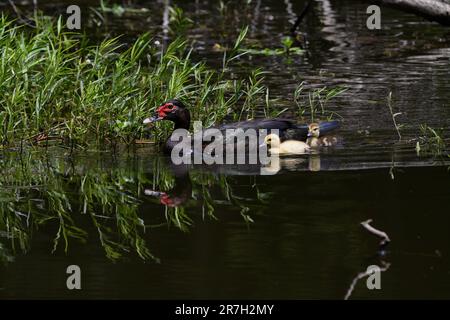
309	135
152	120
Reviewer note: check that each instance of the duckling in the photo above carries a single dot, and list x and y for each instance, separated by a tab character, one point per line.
315	141
286	147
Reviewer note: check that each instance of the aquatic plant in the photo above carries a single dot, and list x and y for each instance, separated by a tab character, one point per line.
431	141
117	9
75	199
39	193
56	86
287	48
314	104
397	126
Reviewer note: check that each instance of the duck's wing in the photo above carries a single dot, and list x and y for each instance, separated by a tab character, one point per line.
328	126
282	125
234	130
276	123
300	131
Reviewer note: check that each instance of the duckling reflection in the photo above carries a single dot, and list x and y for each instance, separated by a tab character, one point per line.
314	162
276	164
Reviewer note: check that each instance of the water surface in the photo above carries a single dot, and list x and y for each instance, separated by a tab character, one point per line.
228	232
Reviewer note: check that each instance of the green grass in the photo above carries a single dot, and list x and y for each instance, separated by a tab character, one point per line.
58	87
313	105
55	85
287	49
431	141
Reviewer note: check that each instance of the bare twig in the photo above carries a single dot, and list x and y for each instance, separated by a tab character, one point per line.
300	17
14	8
27	21
37	135
433	10
383	235
393	115
361	275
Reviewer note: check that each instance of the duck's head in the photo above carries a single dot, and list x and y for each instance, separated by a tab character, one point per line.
172	110
313	130
272	140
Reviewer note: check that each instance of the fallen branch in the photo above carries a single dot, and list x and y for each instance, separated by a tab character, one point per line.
383	235
361	275
300	17
26	21
434	10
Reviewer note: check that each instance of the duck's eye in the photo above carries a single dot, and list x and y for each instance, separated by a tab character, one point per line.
170	106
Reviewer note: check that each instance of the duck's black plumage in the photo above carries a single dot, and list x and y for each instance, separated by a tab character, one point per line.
176	111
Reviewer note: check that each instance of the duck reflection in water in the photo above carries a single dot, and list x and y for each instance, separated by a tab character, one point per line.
181	191
186	180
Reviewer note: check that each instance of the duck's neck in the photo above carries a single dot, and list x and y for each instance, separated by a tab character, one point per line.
179	124
183	122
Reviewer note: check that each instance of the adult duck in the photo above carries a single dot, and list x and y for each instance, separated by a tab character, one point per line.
178	113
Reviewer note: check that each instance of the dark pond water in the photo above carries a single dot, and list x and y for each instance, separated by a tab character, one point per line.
228	232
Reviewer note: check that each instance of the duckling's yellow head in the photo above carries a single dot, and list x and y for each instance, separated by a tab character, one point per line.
272	140
314	130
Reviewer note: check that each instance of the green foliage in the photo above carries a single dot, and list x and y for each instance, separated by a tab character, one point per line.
179	23
54	85
91	200
314	104
117	9
35	192
431	141
287	49
394	116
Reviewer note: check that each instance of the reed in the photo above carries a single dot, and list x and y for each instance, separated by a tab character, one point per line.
56	86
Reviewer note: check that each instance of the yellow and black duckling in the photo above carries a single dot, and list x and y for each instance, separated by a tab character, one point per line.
315	140
286	147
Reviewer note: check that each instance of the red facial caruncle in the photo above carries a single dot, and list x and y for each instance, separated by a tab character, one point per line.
166	200
164	109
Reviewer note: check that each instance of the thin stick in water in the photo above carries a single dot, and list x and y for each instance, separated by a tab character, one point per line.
361	275
383	235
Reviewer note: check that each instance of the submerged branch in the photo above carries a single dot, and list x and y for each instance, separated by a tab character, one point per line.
300	17
362	275
383	235
434	10
25	21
